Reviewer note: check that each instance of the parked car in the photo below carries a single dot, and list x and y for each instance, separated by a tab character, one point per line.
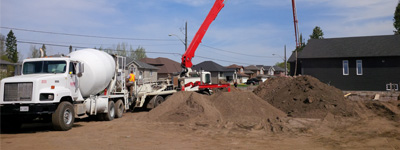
252	81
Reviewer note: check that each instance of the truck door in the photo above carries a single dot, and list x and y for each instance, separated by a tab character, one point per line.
73	80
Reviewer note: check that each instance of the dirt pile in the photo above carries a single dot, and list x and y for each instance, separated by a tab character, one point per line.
304	96
389	110
247	110
229	110
186	107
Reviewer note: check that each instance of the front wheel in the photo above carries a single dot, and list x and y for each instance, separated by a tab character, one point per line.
64	117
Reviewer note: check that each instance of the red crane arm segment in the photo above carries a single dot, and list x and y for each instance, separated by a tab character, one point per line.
189	54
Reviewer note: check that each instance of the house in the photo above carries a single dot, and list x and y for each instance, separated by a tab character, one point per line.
268	70
242	77
217	71
279	71
370	63
6	67
167	67
254	71
143	72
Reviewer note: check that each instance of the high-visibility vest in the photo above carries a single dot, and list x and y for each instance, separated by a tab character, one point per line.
131	77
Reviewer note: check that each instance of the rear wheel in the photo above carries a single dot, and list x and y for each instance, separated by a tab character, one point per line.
111	112
64	117
119	109
158	101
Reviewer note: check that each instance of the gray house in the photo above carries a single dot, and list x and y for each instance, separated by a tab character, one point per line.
143	72
370	63
217	71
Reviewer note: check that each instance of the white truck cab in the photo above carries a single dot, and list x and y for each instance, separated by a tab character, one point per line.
59	89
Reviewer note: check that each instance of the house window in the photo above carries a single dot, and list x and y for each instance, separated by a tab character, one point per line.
221	74
151	72
359	67
391	86
345	67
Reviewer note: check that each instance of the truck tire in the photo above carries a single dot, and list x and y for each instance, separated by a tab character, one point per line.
111	112
158	101
64	116
119	109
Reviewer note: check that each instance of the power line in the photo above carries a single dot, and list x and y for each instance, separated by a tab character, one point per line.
120	38
234	52
84	35
151	52
56	42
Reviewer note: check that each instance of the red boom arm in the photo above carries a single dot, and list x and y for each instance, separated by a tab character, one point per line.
189	54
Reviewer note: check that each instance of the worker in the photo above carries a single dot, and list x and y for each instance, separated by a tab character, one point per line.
130	83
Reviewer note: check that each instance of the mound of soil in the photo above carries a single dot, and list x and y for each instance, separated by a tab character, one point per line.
389	110
186	107
247	110
229	110
304	96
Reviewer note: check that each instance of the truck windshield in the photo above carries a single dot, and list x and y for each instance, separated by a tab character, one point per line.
44	67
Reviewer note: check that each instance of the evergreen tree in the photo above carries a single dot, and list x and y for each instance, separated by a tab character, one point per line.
317	33
396	19
11	50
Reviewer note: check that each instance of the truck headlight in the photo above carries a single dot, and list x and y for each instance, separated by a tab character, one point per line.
50	97
46	96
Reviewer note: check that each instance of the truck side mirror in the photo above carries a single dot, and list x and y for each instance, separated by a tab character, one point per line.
81	69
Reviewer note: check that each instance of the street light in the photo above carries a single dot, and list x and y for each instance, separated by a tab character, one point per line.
184	43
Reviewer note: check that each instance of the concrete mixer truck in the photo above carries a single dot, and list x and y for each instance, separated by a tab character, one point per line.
84	83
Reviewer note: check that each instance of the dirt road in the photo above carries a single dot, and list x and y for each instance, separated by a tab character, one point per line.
131	132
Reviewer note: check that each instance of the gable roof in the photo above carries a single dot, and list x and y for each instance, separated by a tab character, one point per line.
251	67
211	66
234	66
141	65
277	68
368	46
165	65
265	67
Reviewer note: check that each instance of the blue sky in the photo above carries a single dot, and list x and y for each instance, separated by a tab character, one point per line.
245	31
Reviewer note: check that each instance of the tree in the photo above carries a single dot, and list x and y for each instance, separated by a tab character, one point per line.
282	65
396	19
34	52
140	53
2	44
121	49
11	50
317	33
44	50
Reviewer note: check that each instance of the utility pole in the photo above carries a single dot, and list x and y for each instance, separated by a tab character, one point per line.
185	36
285	62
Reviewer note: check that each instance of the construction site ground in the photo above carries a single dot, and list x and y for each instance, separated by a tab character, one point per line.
284	113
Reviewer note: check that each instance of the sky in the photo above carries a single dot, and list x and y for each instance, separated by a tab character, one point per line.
245	32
